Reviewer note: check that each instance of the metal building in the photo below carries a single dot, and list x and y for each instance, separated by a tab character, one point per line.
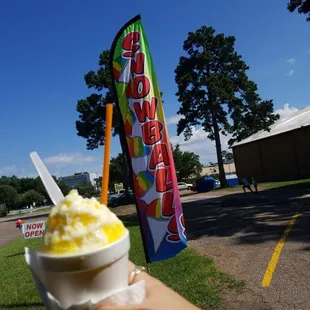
281	154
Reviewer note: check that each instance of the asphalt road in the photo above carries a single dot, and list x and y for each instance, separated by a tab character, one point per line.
9	232
241	231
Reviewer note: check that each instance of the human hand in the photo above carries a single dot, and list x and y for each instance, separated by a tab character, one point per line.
158	296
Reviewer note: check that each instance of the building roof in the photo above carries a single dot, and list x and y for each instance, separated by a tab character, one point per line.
296	120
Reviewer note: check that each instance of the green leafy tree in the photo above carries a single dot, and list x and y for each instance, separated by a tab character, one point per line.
98	182
227	156
118	168
27	184
215	92
302	6
30	197
15	182
87	190
40	188
4	180
92	110
8	195
187	164
65	189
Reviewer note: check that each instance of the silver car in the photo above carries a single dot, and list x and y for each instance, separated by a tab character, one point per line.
183	185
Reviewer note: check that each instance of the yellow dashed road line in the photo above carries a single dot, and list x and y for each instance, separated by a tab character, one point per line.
276	253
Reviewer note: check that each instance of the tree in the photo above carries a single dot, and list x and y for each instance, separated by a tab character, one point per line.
302	6
87	190
40	188
65	189
15	182
92	110
118	167
187	164
215	92
227	156
5	180
91	123
29	197
8	195
98	182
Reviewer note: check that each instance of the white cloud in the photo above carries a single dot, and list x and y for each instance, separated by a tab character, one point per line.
291	61
76	158
19	172
286	111
173	119
59	165
200	144
9	170
290	73
69	163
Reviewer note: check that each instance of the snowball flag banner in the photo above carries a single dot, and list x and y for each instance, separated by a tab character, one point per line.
149	152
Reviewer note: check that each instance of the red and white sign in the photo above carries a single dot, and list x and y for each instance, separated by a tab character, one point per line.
34	230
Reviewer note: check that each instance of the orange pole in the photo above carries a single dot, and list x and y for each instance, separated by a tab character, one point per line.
107	151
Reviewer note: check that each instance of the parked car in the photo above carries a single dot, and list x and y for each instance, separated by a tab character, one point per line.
116	194
121	198
183	185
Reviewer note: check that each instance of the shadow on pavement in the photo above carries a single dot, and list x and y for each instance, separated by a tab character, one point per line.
259	217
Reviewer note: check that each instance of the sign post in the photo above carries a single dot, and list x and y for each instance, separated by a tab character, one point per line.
118	186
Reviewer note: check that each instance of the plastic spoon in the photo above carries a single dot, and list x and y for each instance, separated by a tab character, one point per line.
49	183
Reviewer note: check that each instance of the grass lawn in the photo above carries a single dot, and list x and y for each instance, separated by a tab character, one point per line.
297	184
193	276
45	209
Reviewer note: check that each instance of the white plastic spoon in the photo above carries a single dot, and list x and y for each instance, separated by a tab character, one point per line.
49	183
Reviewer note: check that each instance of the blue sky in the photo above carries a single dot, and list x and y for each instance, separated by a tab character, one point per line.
48	46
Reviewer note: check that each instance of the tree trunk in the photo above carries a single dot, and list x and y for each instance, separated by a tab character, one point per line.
219	151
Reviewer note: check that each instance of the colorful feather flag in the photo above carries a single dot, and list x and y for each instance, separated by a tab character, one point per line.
149	152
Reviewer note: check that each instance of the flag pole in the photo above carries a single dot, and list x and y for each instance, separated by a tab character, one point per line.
107	151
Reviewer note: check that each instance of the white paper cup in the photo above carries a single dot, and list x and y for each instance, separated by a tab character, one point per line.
76	278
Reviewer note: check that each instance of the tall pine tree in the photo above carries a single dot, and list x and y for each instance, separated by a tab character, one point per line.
91	123
215	92
302	7
92	110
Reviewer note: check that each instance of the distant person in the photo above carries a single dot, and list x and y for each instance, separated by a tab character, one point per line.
19	224
246	184
254	182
